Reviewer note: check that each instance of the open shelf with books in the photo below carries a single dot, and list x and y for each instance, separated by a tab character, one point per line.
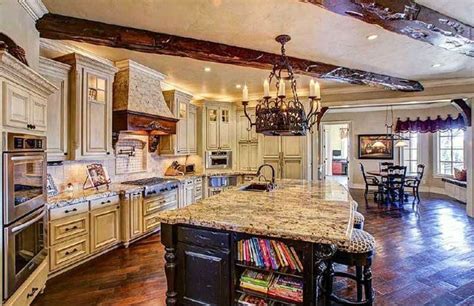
269	271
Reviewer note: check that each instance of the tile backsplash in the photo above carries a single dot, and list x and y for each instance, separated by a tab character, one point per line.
122	168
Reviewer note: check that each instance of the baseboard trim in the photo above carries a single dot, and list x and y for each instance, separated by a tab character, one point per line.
427	189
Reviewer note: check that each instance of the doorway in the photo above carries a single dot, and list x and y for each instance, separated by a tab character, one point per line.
335	140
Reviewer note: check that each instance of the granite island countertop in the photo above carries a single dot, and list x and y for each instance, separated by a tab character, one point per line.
319	212
77	196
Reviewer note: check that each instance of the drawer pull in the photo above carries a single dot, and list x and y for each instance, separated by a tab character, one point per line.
32	293
67	229
68	211
72	252
105	202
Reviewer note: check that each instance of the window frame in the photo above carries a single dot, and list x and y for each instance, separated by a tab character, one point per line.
437	151
417	149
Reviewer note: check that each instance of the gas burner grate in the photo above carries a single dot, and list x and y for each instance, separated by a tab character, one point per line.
147	181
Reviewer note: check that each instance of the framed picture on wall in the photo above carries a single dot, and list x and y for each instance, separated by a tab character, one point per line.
375	146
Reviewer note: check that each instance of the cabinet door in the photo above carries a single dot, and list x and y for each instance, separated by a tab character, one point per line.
39	114
203	275
292	146
243	134
189	194
244	162
292	169
136	224
271	147
181	127
192	129
253	157
212	128
96	117
105	227
253	131
224	128
16	106
57	133
276	164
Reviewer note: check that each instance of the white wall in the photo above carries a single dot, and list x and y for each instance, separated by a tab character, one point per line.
372	122
20	26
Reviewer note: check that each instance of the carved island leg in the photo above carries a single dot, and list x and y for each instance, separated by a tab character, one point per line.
323	266
168	240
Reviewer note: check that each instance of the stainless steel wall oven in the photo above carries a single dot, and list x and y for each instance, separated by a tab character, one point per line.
24	199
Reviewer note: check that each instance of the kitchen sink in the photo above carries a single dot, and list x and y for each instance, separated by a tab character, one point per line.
258	187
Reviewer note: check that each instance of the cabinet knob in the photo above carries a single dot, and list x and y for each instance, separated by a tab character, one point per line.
65	153
33	127
108	153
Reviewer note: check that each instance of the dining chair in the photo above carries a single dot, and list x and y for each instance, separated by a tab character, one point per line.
370	181
394	183
383	166
414	183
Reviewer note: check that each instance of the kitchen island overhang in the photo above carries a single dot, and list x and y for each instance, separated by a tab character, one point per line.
201	241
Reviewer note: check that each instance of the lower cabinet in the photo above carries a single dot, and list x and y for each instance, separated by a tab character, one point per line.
136	224
30	288
105	227
203	275
69	252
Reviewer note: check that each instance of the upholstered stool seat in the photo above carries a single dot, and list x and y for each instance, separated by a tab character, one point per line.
359	220
358	253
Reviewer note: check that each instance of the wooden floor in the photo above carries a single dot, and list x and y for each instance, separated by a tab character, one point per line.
426	260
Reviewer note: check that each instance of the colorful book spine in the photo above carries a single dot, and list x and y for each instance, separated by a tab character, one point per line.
287	256
266	256
297	258
273	259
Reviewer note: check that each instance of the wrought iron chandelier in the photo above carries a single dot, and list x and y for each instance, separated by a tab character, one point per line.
279	116
400	140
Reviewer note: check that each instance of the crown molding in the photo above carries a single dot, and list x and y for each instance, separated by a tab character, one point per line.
14	70
53	68
83	60
35	8
66	48
132	65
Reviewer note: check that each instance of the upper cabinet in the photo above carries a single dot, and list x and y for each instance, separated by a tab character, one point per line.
185	140
57	133
91	106
219	126
244	132
24	96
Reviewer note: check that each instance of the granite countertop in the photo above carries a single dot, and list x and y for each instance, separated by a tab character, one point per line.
319	212
70	198
208	173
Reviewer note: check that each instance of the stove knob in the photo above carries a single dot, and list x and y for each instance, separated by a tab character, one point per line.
162	189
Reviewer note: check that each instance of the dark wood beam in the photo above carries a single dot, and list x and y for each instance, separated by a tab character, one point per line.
68	28
464	109
407	18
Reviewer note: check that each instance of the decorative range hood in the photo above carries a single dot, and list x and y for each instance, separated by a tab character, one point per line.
139	106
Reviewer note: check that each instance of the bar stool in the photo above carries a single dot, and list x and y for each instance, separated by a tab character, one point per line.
359	220
359	254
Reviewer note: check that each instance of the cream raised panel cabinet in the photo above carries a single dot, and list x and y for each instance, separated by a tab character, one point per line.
105	227
285	154
90	85
185	140
219	126
57	133
24	97
132	216
247	142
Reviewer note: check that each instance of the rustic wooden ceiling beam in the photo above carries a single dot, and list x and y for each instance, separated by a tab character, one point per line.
408	18
68	28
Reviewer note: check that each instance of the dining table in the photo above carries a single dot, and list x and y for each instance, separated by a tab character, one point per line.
385	174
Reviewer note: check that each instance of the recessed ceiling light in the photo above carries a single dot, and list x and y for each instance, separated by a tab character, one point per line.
437	65
238	86
207	69
372	37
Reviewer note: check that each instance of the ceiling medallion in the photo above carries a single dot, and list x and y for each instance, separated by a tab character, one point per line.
279	116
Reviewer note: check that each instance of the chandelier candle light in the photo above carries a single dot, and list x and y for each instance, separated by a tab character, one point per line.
279	116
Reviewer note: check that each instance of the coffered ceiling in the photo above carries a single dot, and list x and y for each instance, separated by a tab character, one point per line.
316	35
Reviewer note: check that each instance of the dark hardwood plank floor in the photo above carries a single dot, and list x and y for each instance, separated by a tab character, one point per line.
426	260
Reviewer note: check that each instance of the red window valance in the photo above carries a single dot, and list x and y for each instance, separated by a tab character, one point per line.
430	125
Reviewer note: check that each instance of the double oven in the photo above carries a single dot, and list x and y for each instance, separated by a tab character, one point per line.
23	199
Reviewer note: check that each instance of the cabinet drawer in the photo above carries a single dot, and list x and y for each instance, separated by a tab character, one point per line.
104	202
203	238
71	210
150	222
69	252
31	287
69	227
159	203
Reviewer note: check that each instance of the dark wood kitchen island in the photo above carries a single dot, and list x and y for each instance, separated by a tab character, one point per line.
205	242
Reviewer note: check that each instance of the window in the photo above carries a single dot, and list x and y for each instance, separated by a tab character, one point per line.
409	153
450	150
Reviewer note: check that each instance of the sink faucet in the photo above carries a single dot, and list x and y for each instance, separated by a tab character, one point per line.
259	174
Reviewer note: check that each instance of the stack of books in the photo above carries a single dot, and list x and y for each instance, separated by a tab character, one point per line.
256	281
266	253
286	287
248	300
